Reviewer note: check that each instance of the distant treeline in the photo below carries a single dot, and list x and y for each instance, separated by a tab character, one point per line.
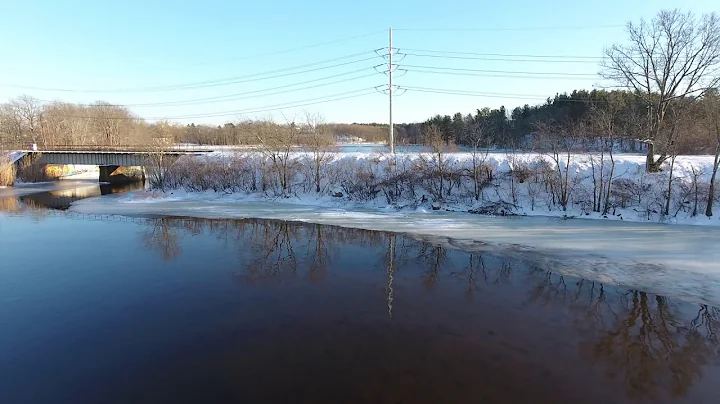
597	111
26	120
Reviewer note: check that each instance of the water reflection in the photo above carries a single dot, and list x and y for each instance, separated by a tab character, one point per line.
652	346
162	237
61	199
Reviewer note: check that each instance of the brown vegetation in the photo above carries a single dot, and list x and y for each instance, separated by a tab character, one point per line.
7	174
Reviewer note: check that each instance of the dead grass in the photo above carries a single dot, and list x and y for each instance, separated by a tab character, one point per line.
7	174
31	171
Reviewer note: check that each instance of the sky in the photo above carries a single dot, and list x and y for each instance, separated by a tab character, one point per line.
218	61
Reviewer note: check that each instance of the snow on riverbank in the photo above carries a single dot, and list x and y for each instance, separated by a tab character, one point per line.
525	184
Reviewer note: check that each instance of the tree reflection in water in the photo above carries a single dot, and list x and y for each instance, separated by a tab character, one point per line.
650	348
162	236
24	205
643	340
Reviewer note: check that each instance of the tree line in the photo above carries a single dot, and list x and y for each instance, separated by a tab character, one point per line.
693	132
25	120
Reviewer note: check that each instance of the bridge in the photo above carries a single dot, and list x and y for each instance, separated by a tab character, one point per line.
108	158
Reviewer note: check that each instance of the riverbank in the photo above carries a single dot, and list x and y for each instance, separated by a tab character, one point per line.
587	186
327	201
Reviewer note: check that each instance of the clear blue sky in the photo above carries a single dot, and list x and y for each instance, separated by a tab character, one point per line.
133	44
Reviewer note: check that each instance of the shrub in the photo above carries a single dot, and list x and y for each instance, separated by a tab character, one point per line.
522	172
361	184
627	192
7	174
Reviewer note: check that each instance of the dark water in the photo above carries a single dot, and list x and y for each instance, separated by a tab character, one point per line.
154	310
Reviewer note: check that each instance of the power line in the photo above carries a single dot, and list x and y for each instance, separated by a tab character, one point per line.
279	52
285	69
499	71
500	59
266	108
279	106
256	111
487	93
570	28
468	93
494	95
249	94
501	75
524	55
219	82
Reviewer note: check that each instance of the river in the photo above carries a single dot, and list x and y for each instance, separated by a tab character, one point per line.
153	309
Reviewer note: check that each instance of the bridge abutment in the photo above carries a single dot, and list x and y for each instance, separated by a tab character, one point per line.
121	174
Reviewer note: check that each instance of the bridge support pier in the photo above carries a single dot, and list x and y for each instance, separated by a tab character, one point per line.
121	174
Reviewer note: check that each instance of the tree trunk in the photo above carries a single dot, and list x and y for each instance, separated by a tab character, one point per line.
711	191
669	191
263	174
695	184
609	185
441	175
596	198
476	187
602	182
651	165
317	175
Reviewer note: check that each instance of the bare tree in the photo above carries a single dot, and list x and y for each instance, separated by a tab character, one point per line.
157	165
30	112
112	124
20	119
277	143
681	121
318	139
672	57
11	128
605	122
480	139
557	141
711	121
436	166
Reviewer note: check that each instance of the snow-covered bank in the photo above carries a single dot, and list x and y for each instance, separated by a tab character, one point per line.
580	186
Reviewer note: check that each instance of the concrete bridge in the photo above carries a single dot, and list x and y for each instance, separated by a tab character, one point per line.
108	158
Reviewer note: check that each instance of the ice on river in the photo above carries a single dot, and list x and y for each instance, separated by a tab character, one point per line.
672	260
